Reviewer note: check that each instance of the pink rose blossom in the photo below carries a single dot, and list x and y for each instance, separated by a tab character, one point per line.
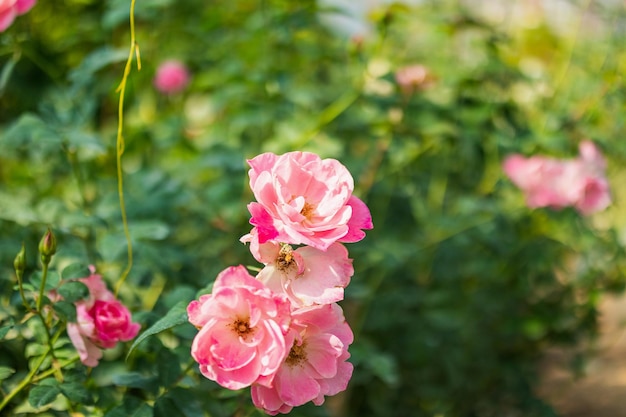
316	365
413	78
305	275
101	322
243	327
549	182
303	199
171	77
10	9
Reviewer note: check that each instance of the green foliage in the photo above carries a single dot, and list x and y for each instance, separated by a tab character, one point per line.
459	288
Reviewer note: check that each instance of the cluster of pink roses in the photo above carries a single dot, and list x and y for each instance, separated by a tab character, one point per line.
555	183
10	9
101	321
282	332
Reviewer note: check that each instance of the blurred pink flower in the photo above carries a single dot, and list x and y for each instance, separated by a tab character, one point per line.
316	365
549	182
10	9
306	275
242	330
171	77
303	199
413	78
101	322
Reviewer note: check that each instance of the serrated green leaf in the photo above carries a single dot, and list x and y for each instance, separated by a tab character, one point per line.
6	372
75	271
73	291
75	392
176	316
65	310
44	393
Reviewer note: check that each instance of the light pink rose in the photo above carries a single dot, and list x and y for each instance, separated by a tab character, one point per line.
303	199
554	183
10	9
243	327
305	275
413	78
171	77
101	322
316	365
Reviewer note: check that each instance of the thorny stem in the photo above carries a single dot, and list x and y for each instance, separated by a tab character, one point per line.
134	50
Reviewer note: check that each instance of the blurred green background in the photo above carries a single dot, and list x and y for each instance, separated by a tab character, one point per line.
458	290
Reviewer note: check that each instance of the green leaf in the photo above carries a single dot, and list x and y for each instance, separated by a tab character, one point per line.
75	392
44	393
6	372
134	380
176	316
66	310
73	291
143	410
29	128
75	271
5	329
52	280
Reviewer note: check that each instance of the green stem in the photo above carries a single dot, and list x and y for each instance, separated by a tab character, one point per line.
134	50
20	275
24	382
44	276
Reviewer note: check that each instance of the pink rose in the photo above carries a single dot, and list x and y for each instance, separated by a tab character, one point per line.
413	78
316	365
10	9
101	322
549	182
243	326
305	275
171	77
303	199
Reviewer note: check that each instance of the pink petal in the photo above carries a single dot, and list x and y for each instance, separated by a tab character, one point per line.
361	219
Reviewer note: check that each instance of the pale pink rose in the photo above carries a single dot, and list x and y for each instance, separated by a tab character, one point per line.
303	199
549	182
316	365
101	322
243	327
305	275
171	77
413	78
10	9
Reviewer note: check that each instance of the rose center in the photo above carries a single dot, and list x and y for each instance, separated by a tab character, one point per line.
242	327
307	210
285	259
297	355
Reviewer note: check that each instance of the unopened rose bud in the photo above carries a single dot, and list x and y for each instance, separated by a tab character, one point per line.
20	262
47	246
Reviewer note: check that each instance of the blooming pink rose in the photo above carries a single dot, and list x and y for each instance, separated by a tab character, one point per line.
10	9
317	362
549	182
171	77
305	275
303	199
101	322
243	327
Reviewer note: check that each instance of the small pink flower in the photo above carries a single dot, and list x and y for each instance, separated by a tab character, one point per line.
305	275
549	182
101	322
10	9
243	326
303	199
316	365
413	78
171	77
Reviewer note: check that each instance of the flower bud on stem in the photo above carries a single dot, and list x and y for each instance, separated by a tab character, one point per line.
47	248
20	265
